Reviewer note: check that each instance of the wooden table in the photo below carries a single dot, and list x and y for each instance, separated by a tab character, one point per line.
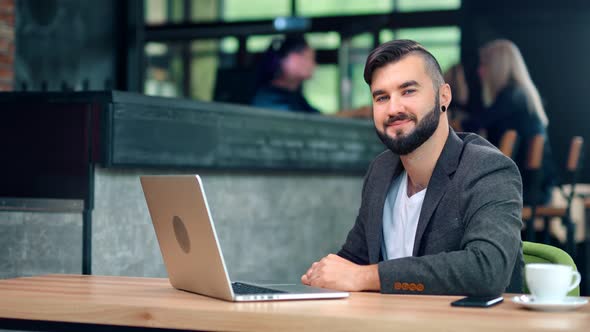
76	302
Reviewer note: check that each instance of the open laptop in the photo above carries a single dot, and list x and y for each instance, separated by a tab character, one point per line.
190	247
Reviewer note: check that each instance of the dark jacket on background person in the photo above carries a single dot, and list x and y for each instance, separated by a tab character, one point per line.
281	99
510	111
468	235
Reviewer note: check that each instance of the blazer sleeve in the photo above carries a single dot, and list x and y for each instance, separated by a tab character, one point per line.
491	204
355	248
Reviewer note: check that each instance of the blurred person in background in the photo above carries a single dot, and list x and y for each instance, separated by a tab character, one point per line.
455	77
285	65
158	82
512	101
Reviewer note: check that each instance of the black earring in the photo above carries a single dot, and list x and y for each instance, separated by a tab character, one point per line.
443	108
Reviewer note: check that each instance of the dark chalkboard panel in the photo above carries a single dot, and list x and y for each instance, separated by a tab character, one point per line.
152	131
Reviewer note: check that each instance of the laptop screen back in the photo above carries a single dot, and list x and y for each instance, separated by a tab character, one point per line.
186	235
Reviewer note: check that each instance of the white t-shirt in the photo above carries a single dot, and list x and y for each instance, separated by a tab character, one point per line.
400	219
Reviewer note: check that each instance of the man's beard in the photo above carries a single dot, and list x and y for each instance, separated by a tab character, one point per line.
405	144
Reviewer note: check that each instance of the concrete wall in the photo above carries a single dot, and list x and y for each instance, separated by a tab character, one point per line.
271	226
39	243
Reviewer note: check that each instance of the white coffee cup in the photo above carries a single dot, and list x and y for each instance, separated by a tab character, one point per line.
551	282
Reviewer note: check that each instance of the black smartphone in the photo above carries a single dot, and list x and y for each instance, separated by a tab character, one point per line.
479	302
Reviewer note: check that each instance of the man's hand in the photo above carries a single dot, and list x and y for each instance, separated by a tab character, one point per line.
335	272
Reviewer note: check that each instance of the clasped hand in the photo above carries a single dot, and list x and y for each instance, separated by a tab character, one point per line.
337	273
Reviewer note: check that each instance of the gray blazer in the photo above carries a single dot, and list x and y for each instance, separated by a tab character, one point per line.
468	235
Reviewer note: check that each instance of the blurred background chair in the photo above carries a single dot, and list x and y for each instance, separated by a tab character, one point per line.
543	253
534	172
550	211
508	143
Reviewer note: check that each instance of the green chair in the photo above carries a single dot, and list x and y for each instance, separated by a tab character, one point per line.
543	253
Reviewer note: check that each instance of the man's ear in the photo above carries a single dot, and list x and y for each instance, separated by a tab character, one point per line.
445	95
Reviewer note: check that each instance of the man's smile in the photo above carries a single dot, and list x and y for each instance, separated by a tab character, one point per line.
398	123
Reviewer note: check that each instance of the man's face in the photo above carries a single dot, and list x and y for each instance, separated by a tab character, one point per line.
406	107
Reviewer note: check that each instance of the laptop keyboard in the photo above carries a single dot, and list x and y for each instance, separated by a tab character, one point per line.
245	289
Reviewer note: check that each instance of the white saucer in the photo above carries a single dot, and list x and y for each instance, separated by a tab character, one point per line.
569	303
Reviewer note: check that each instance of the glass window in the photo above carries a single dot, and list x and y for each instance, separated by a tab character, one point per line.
166	70
360	47
361	93
163	74
240	10
443	42
259	43
172	11
155	11
321	91
323	40
230	45
204	10
319	40
431	35
446	55
422	5
342	7
163	11
364	41
203	71
385	36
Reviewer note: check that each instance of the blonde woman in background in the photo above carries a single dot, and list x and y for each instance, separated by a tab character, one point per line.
512	101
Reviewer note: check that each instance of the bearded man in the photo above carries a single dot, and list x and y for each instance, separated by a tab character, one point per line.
440	211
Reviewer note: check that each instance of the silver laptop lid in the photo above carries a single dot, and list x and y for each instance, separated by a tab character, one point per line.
178	209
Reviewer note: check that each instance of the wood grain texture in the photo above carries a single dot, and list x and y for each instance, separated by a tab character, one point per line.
544	211
147	302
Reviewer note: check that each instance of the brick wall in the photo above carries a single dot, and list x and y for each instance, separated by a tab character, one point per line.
6	44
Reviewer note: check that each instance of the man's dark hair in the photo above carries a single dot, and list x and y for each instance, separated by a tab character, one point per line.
278	50
396	50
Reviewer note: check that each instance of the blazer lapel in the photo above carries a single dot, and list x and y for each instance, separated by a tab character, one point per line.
375	225
445	166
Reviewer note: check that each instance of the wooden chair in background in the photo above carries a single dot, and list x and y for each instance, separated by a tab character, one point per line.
534	170
548	212
508	143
